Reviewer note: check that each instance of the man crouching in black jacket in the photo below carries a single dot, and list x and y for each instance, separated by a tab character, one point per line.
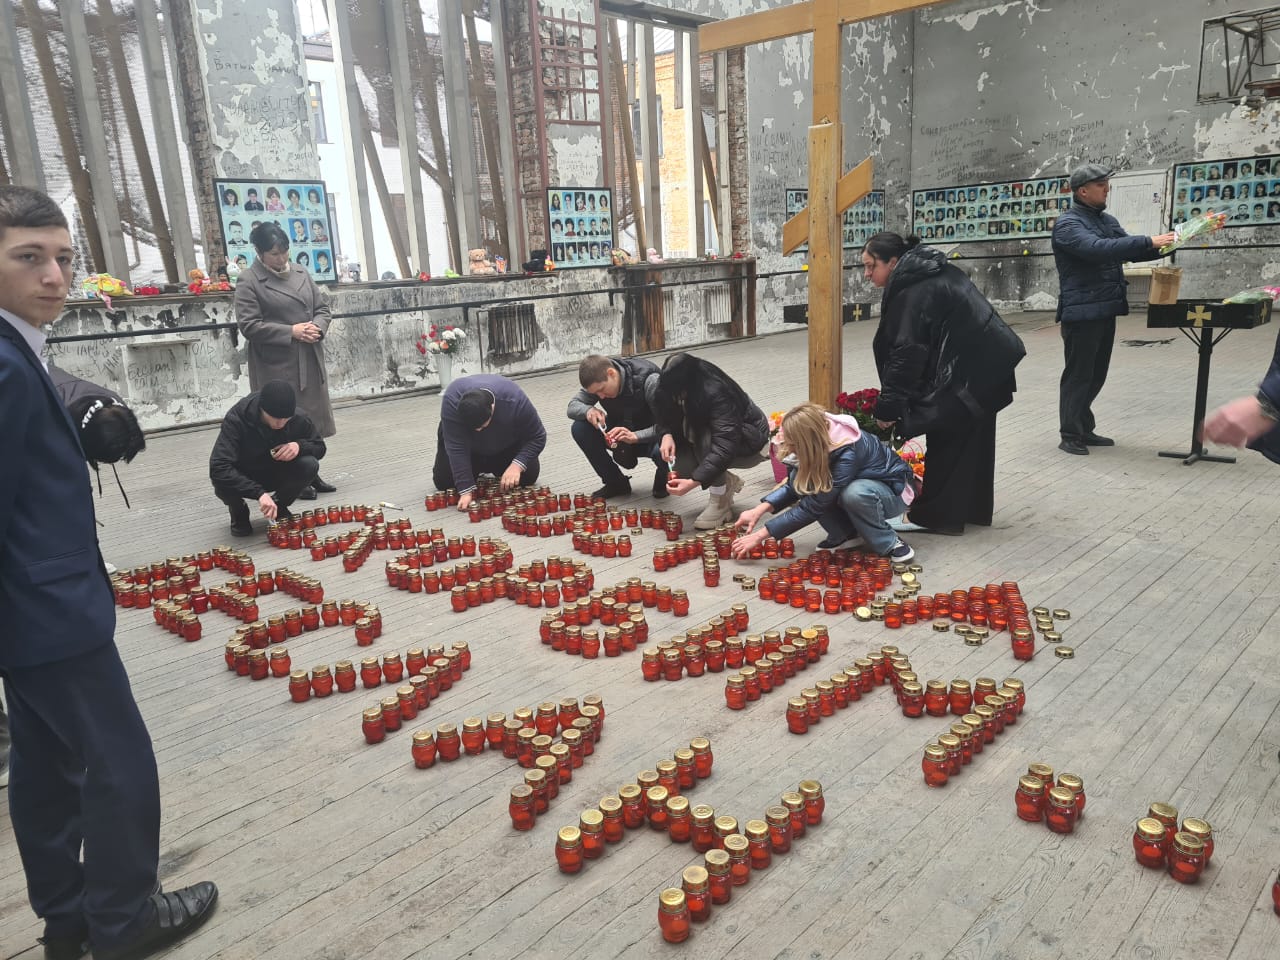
264	447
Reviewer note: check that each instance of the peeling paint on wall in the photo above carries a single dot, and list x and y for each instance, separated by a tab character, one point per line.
256	86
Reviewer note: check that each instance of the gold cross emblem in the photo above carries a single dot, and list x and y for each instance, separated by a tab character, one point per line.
857	312
1198	316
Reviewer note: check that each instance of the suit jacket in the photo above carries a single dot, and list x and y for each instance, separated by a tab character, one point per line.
267	307
55	596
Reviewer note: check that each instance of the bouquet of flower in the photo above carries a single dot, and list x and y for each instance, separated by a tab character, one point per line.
447	339
775	426
1256	295
1197	226
913	453
861	405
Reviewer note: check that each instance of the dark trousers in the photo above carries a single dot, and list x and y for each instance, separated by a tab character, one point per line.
81	770
1086	347
494	463
283	478
959	476
606	463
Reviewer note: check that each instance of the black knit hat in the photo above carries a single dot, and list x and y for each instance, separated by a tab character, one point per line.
277	399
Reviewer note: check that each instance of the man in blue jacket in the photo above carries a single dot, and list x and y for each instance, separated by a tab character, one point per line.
84	797
1090	249
487	425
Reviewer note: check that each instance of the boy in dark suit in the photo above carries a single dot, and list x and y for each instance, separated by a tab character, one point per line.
82	771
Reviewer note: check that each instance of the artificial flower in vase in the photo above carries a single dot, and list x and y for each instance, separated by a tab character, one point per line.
442	343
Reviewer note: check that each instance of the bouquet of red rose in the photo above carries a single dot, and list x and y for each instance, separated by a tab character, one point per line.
861	405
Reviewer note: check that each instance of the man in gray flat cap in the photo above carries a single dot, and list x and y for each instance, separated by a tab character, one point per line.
1090	249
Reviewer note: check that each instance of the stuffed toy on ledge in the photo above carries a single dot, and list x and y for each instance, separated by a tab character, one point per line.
479	265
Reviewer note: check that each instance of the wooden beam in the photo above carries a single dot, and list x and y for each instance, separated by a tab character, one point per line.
141	150
384	200
352	128
488	129
619	73
853	186
168	159
825	347
695	140
517	247
647	87
793	20
402	89
788	21
457	104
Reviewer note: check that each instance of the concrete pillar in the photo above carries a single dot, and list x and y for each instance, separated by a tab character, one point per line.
23	146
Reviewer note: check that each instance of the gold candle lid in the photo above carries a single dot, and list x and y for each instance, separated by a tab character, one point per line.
424	736
737	843
1197	828
1151	829
1061	614
726	825
1071	782
694	876
777	814
1041	770
703	813
1062	796
657	797
591	820
941	626
935	752
1163	811
677	804
672	899
1031	785
570	836
810	789
629	792
1064	653
792	800
756	829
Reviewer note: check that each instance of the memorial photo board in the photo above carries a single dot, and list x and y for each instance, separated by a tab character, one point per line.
1005	210
859	222
299	207
580	226
1246	189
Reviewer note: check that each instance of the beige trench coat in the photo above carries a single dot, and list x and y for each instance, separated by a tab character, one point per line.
267	307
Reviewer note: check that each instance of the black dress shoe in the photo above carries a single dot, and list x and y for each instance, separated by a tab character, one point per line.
174	916
1073	446
320	486
1094	440
70	946
307	493
614	488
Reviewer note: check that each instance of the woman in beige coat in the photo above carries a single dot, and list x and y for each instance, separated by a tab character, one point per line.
284	315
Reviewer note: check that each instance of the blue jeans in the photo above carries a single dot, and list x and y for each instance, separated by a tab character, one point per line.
591	441
864	508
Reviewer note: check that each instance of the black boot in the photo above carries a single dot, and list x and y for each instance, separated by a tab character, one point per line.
320	486
240	525
660	477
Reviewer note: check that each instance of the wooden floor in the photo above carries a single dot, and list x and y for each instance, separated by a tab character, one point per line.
324	847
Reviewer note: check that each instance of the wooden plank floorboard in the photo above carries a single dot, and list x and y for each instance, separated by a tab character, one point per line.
324	847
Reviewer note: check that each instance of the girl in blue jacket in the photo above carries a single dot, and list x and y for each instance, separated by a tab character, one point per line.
850	482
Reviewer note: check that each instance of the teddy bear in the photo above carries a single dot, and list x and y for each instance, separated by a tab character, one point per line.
479	265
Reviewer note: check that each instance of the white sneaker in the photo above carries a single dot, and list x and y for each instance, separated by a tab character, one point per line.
4	777
111	567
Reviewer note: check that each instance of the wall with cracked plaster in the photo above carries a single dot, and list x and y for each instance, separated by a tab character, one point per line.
1034	87
974	91
255	79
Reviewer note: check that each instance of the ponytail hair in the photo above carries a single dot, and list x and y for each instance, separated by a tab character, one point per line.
886	245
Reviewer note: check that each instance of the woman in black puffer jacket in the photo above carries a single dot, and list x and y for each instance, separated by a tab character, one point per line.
946	362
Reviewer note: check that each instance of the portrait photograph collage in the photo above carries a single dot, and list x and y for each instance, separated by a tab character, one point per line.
299	207
1016	209
581	226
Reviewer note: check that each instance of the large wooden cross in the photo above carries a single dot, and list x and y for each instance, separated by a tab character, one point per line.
830	193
